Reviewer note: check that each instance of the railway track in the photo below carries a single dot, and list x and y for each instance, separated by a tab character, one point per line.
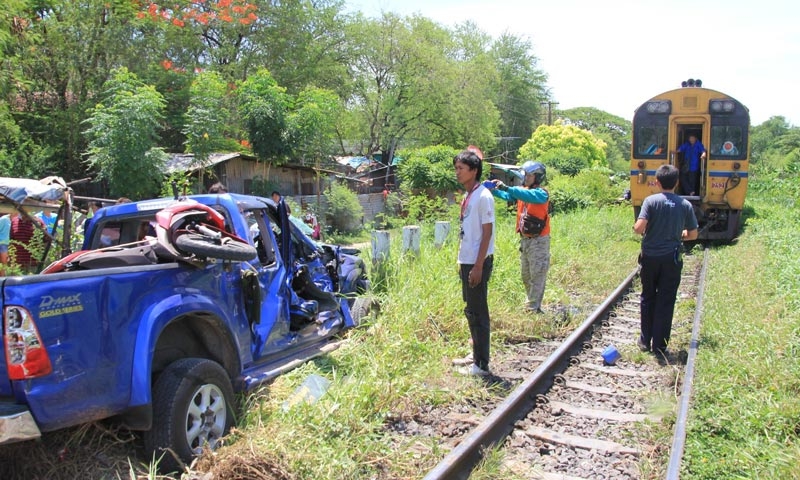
571	415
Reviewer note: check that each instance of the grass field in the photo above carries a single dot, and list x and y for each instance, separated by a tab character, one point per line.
402	360
745	418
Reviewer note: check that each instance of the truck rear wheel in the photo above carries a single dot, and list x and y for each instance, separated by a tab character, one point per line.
192	410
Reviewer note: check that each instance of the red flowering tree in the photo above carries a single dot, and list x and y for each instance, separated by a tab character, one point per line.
219	29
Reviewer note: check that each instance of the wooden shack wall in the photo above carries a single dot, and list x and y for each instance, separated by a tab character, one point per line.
236	174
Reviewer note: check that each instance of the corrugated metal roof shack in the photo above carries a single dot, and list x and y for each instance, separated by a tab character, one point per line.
237	170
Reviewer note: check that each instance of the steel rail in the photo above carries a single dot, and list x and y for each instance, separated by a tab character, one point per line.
459	462
679	438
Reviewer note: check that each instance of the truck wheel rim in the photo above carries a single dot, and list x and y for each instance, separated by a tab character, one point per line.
205	418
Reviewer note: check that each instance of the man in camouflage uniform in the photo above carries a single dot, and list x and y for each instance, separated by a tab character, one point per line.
533	225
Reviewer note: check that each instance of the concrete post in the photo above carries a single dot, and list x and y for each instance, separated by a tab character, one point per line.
440	232
411	239
380	256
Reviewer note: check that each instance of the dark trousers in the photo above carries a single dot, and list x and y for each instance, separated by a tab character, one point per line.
660	277
690	181
477	311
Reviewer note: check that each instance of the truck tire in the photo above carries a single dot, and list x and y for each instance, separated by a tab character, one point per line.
192	409
203	246
364	308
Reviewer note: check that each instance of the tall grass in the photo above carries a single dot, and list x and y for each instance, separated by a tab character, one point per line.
745	419
400	364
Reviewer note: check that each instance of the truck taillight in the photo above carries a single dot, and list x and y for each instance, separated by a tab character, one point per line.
26	357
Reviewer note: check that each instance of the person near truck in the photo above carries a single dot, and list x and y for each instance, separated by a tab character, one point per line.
665	221
5	239
533	226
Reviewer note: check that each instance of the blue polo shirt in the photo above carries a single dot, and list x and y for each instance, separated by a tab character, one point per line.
692	154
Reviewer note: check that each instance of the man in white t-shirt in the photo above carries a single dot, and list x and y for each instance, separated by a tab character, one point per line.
475	255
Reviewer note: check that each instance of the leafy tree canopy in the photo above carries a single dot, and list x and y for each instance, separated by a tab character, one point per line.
613	130
428	169
312	122
764	137
264	106
124	135
567	148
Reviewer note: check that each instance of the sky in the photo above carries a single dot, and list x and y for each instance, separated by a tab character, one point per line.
616	54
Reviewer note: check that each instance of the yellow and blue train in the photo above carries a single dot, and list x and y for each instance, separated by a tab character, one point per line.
665	122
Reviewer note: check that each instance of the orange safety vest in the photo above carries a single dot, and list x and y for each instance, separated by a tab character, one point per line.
538	210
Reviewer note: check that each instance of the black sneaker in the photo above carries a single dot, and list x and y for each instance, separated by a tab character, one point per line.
642	346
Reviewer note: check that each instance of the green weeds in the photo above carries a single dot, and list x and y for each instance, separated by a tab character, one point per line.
398	365
745	418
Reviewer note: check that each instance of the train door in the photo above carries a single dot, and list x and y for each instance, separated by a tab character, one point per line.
683	131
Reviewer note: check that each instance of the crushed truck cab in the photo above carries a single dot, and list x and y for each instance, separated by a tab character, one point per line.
160	338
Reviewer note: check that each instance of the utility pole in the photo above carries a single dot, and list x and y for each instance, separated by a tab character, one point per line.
549	106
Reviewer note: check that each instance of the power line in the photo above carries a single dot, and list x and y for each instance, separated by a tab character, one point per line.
549	113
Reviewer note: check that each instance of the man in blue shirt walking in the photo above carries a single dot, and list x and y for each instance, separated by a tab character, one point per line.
693	153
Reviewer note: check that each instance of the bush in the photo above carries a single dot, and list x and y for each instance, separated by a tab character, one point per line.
421	208
262	187
588	188
429	168
184	182
566	162
343	212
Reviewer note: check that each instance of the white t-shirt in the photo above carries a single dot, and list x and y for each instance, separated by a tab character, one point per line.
478	211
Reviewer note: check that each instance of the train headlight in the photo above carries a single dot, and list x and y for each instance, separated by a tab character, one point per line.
659	106
721	106
640	164
737	165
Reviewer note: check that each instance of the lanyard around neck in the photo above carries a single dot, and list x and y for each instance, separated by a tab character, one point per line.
465	202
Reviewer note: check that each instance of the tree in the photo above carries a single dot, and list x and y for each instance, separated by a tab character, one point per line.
614	130
312	123
304	43
567	148
264	105
60	60
206	119
124	134
763	137
428	169
412	88
207	34
520	87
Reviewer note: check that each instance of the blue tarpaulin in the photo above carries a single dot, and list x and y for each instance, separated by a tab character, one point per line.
20	189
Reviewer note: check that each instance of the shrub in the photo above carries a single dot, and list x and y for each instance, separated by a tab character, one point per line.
421	207
183	182
261	187
588	188
343	212
566	162
429	168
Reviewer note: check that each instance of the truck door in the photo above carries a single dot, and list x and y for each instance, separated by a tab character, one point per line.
269	312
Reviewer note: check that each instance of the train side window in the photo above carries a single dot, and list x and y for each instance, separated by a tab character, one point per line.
727	142
651	141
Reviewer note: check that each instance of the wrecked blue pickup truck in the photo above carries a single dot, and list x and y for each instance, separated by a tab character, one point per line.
171	306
